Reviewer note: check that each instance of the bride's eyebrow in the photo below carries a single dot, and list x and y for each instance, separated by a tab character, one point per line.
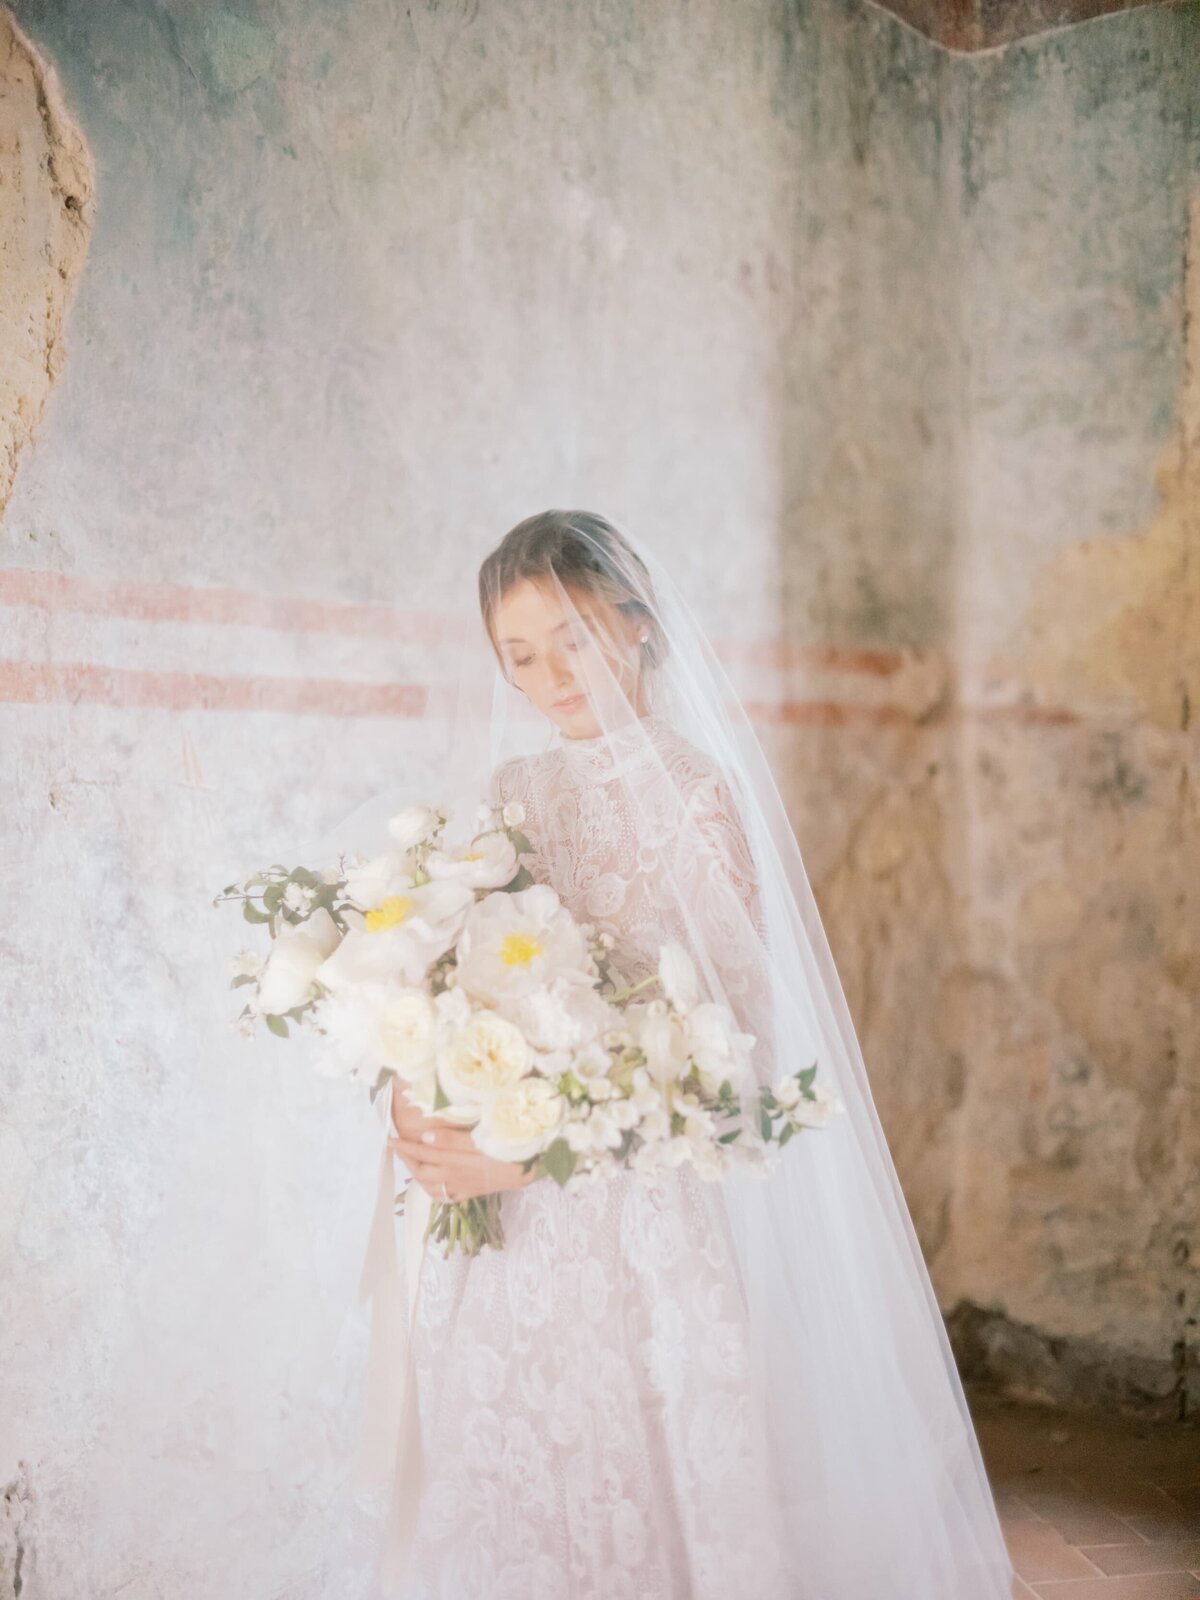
565	623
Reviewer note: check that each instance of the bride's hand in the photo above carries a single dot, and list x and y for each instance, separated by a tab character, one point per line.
438	1152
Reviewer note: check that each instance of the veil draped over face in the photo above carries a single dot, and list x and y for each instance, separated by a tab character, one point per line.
880	1483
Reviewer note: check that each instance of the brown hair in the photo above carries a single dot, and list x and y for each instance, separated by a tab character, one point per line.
587	555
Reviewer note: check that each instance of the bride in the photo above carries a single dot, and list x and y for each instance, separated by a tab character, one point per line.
664	1387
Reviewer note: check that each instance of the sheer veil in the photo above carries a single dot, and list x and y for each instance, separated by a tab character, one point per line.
881	1487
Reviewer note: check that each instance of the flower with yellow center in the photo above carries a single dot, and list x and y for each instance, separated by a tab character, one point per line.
390	914
519	949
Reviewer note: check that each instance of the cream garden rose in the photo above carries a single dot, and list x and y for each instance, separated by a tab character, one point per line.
481	1059
521	1121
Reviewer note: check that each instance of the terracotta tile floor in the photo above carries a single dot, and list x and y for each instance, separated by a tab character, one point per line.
1094	1507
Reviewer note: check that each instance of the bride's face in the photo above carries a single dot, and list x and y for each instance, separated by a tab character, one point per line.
577	661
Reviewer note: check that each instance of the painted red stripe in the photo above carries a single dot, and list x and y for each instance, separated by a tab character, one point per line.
62	592
78	683
170	602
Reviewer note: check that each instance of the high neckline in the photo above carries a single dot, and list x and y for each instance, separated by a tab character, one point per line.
600	755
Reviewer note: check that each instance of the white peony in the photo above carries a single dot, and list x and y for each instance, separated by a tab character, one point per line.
399	938
564	1015
295	958
514	943
414	825
369	882
480	1060
488	862
678	976
522	1121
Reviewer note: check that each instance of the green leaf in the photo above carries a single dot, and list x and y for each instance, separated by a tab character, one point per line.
272	895
728	1138
787	1133
558	1161
765	1123
805	1078
522	880
440	1097
277	1025
252	914
521	842
241	979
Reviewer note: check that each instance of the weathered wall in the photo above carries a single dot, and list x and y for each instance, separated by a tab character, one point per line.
904	331
1078	990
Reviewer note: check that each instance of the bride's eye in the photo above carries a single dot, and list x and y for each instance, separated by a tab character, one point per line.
522	662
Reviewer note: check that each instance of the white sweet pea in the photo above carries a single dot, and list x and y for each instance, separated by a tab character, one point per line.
246	964
481	1060
678	976
787	1092
400	938
370	881
488	862
660	1034
295	958
816	1113
299	899
521	1122
414	825
718	1049
512	944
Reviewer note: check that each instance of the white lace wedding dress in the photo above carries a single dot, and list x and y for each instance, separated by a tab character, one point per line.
587	1421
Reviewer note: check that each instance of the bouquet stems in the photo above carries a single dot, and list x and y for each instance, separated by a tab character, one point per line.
467	1225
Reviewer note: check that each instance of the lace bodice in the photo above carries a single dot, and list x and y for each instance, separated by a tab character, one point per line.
638	832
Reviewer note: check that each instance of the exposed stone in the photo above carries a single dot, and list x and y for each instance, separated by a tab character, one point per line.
47	184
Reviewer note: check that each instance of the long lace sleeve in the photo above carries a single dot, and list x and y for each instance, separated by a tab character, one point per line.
724	895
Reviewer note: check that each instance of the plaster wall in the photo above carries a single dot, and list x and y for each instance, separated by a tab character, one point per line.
884	348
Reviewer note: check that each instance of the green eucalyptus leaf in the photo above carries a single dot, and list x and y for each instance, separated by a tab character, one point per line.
277	1025
558	1161
252	914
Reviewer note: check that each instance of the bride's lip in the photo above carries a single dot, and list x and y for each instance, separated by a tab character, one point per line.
569	703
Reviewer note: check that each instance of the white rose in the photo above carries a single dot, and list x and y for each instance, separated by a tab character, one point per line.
513	814
678	976
522	1121
295	958
489	862
414	825
408	1032
481	1060
369	882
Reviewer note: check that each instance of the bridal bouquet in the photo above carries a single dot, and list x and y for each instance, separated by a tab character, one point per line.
450	969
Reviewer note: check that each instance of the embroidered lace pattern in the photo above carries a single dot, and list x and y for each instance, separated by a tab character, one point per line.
588	1425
